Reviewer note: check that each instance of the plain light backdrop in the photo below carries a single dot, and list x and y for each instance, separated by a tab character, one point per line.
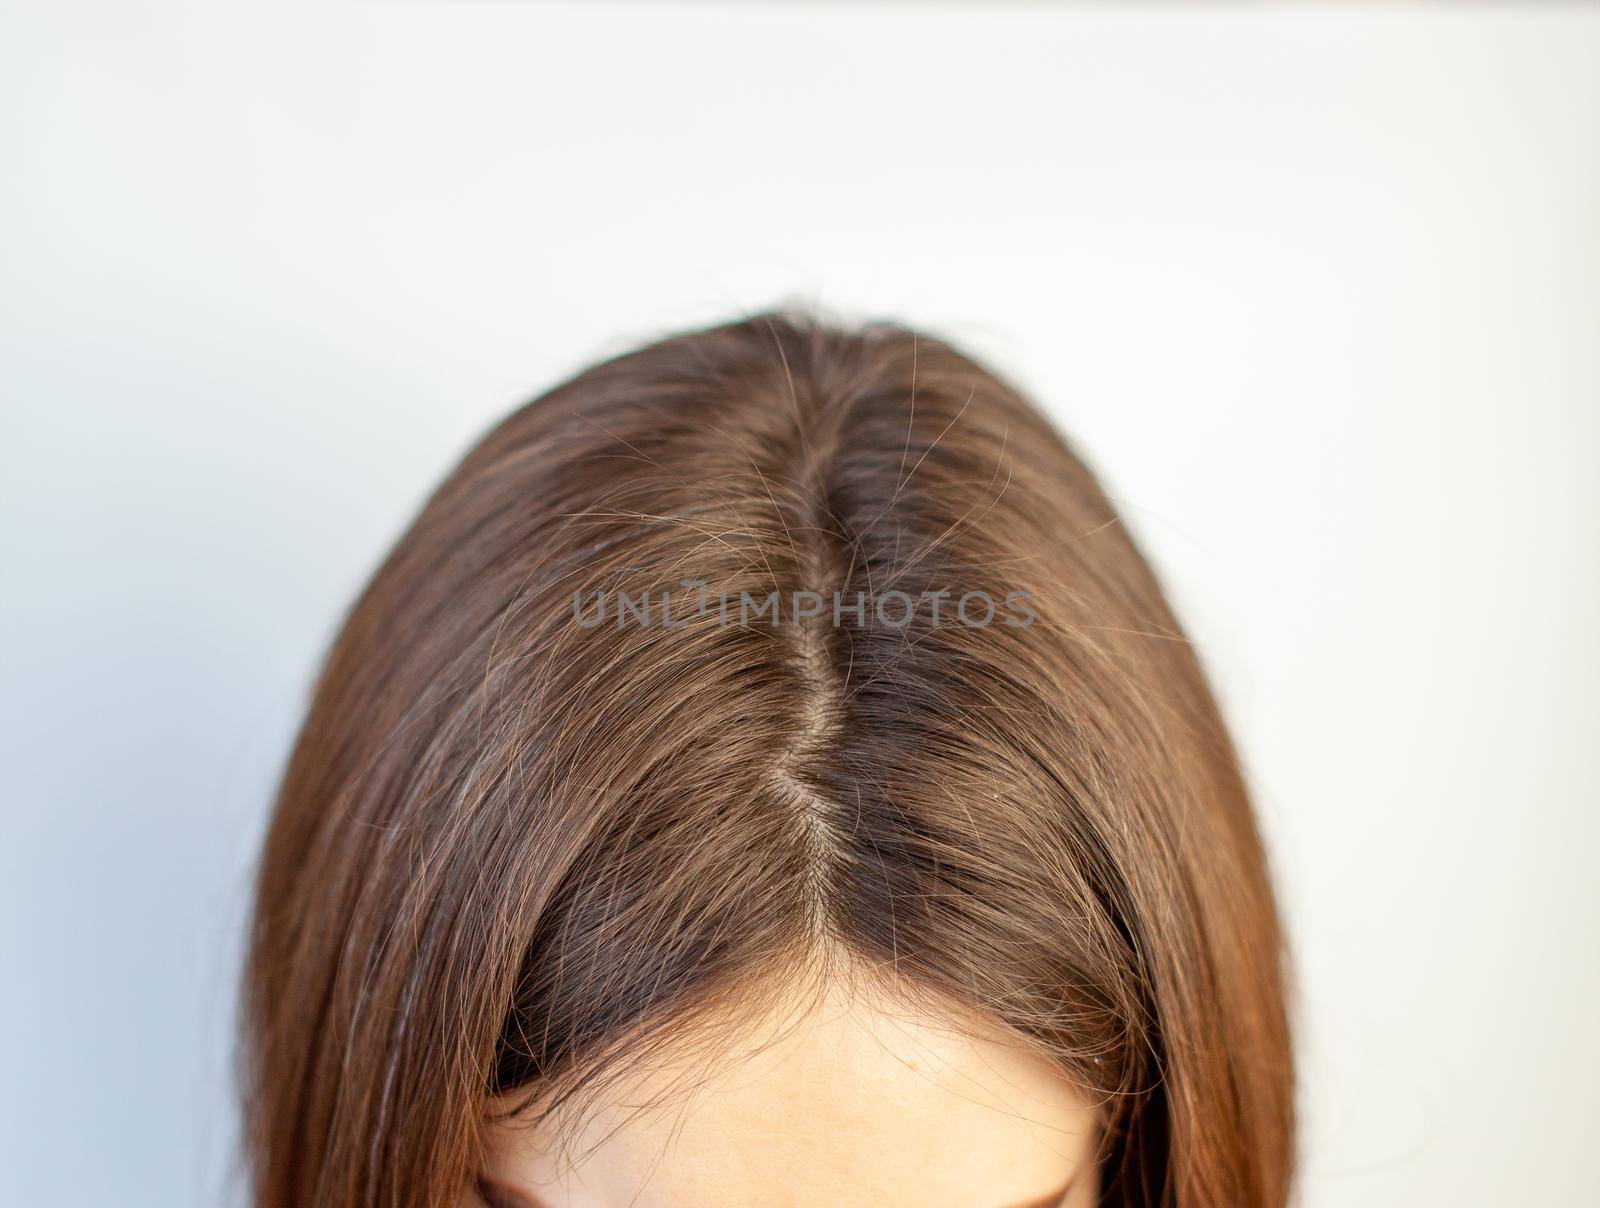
1316	290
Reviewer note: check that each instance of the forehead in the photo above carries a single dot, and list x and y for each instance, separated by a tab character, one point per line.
852	1100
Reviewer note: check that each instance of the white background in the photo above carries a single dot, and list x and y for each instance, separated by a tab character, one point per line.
1316	291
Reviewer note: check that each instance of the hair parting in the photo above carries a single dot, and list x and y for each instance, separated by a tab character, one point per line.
513	852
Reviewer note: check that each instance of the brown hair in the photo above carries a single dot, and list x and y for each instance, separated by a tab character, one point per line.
531	824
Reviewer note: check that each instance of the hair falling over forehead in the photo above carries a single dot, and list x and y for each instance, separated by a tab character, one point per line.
513	851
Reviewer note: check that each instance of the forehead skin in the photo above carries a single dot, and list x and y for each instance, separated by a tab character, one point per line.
850	1101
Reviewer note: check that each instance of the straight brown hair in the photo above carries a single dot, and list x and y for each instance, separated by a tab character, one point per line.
521	836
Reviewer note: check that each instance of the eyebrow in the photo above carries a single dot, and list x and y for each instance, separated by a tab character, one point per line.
503	1193
1053	1199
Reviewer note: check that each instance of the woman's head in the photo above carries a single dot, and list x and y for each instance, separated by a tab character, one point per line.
765	687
